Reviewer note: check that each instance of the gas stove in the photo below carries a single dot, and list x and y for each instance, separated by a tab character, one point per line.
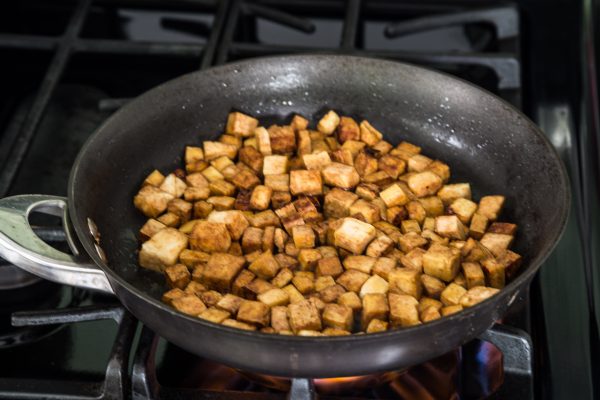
70	64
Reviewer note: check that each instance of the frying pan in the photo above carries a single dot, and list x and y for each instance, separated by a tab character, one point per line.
485	141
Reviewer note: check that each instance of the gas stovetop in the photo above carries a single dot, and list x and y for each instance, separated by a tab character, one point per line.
69	64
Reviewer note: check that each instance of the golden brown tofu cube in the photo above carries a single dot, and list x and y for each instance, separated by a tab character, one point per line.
286	261
202	209
394	195
169	219
360	263
280	238
377	325
338	203
162	250
245	179
304	316
335	332
418	163
367	191
452	294
214	150
173	185
233	139
306	182
240	124
214	315
375	284
232	323
441	263
303	283
195	167
410	225
210	237
292	250
331	294
383	266
294	294
230	303
252	158
416	211
347	130
263	219
193	194
364	210
221	269
171	295
365	163
268	239
504	228
279	319
495	273
263	141
403	310
379	246
407	281
450	226
440	169
430	314
240	282
449	193
323	282
299	123
374	306
254	312
256	287
152	201
354	235
340	175
391	165
478	226
196	180
274	297
234	220
304	142
155	178
252	240
449	310
210	297
212	174
303	236
265	266
476	295
433	206
275	165
151	227
473	274
329	266
221	203
490	207
308	259
410	241
316	161
328	123
338	316
424	183
283	139
261	197
427	302
221	163
343	156
188	304
497	243
369	134
350	299
464	209
283	277
352	280
413	259
433	287
177	276
382	147
511	262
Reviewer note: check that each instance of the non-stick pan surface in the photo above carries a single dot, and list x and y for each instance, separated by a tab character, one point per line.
484	140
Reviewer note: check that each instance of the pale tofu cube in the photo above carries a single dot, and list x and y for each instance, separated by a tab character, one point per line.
173	185
163	249
275	165
450	226
354	235
369	134
340	175
328	123
263	141
352	280
418	163
152	201
374	306
234	220
265	266
316	161
306	182
403	310
464	209
338	316
177	276
441	263
473	274
304	316
424	183
210	237
476	295
407	281
497	243
375	284
188	304
279	319
254	312
360	263
449	193
274	297
490	206
338	203
221	269
214	150
452	294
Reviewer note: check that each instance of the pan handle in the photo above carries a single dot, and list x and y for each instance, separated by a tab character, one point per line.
22	247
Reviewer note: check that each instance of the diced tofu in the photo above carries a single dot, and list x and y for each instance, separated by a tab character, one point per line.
155	178
252	158
261	197
479	225
221	269
340	175
413	259
265	266
352	280
221	163
171	295
476	295
212	174
299	123
497	243
374	306
427	302
279	319
252	240
354	235
214	315
150	228
274	297
210	297
328	123
283	139
338	203
449	193
464	209
347	130
275	165
329	266
449	310
163	249
303	283
418	163
391	165
169	219
306	182
235	221
263	219
511	262
441	263
490	207
360	263
383	266
403	310
343	156
221	203
241	124
369	134
433	206
188	304
424	183
450	226
430	314
254	312
364	210
323	282
379	246
410	225
304	142
338	316
303	236
394	195
232	323
331	294
365	163
495	274
152	201
473	274
375	284
407	281
177	276
214	150
504	228
410	241
452	294
316	161
230	303
294	294
440	169
351	300
245	179
263	141
377	325
433	287
304	316
210	237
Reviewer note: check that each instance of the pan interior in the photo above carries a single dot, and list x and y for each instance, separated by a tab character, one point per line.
484	141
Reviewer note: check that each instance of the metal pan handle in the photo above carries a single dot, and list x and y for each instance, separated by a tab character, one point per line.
22	247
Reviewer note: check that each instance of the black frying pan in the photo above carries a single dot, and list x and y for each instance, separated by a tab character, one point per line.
483	139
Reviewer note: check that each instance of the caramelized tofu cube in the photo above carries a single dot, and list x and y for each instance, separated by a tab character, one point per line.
377	325
152	201
441	263
433	287
245	179
241	124
299	123
252	158
308	259
365	211
171	295
430	314
440	169
369	134
452	294
449	310
328	123
306	182
418	163
280	238
232	323
221	203
263	141
413	259
264	219
347	130
490	207
150	228
212	174
343	156
433	206
230	303
338	203
210	297
155	178
424	183
478	226
304	142
329	266
360	263
511	262
283	277
365	163
244	278
375	284
274	297
214	150
195	167
193	194
286	261
383	266
202	209
350	299
494	271
410	225
476	295
221	163
261	197
503	228
279	199
338	316
304	316
256	287
221	269
279	319
188	304
304	236
316	161
162	250
210	237
283	139
252	240
450	226
294	294
275	165
379	178
177	276
391	165
303	283
323	282
464	209
265	266
254	312
403	310
352	280
497	243
268	239
214	315
235	221
169	219
354	235
379	246
410	241
473	274
428	302
367	191
340	175
460	280
191	258
374	306
449	193
407	281
416	211
331	294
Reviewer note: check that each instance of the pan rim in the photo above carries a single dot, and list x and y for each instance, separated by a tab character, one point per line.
525	275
